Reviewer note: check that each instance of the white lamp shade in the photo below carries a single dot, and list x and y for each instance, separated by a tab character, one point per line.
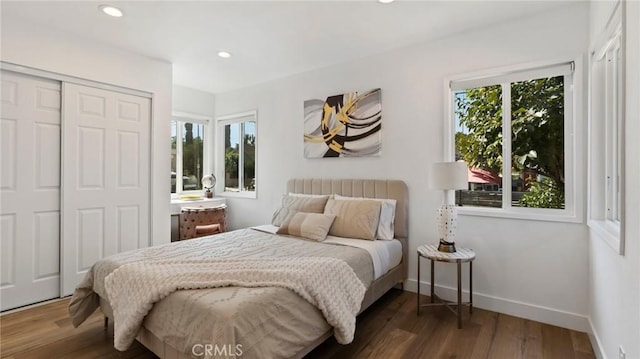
449	175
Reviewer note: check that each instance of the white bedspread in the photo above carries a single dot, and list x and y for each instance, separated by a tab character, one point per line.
385	254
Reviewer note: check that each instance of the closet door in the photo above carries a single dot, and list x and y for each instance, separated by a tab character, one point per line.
106	177
29	190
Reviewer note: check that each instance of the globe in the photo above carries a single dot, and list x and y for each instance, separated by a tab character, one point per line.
208	181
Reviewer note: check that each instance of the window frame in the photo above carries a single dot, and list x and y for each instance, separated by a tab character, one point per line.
180	118
573	211
221	122
606	213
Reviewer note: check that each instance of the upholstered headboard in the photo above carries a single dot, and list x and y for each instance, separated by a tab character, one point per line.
394	189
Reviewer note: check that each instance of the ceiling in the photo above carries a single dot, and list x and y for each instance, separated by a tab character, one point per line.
268	39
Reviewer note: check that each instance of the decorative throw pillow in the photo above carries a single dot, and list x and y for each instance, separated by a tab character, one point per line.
293	204
354	218
386	228
307	225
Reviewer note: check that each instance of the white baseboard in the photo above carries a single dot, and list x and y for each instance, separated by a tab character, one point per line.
530	311
595	342
34	305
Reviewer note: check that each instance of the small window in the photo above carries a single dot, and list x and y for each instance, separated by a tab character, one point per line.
239	134
188	161
512	131
613	133
606	134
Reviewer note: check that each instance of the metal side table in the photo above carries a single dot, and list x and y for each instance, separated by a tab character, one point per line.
430	251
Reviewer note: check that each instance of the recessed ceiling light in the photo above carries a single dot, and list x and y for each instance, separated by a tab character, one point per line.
224	54
385	1
111	10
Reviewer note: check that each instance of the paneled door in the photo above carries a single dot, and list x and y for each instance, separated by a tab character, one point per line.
29	190
105	177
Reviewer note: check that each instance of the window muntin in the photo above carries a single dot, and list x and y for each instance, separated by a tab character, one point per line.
187	155
239	153
511	129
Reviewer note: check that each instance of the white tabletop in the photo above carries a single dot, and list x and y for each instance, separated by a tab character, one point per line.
460	255
178	204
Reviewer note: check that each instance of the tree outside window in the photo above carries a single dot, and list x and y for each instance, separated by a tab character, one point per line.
187	155
239	157
533	136
238	133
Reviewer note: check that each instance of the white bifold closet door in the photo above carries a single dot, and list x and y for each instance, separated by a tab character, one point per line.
29	190
105	177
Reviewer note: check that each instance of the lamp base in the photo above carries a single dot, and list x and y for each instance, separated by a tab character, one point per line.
208	194
447	247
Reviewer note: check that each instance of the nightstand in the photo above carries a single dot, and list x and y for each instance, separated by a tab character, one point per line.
198	221
430	251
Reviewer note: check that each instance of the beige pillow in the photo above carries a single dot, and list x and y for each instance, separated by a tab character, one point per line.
386	227
307	225
293	204
354	218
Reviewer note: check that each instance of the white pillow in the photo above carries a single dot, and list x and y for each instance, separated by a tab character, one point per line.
386	227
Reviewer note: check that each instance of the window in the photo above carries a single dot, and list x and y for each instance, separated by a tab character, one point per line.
239	141
606	135
188	155
515	132
612	61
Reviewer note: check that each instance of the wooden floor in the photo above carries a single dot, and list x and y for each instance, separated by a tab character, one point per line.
389	329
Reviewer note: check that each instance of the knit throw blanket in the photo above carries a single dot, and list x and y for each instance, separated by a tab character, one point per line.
329	284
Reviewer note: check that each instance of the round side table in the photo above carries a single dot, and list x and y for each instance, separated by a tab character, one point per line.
431	252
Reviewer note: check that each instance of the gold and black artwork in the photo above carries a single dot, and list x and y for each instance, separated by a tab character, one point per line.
346	125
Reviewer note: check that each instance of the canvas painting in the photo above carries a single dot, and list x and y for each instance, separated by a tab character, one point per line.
346	125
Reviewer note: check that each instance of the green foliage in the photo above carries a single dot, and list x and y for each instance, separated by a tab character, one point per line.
232	160
537	132
545	194
537	125
192	157
480	112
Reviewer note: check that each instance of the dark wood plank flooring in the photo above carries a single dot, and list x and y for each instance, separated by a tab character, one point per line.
388	329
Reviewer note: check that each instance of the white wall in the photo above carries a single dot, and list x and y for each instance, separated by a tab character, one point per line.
614	280
31	45
192	101
531	269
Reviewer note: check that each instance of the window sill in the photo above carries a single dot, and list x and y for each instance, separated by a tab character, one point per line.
551	215
608	232
243	194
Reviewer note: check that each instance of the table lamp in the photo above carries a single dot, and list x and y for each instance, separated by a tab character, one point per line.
448	176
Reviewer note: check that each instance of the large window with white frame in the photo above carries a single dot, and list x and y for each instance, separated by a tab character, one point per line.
515	131
238	152
189	157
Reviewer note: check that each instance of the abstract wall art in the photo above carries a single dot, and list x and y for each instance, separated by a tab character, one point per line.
346	125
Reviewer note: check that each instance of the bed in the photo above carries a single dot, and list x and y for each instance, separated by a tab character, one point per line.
264	321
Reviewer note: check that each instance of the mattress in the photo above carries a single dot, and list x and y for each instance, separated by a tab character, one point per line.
385	254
